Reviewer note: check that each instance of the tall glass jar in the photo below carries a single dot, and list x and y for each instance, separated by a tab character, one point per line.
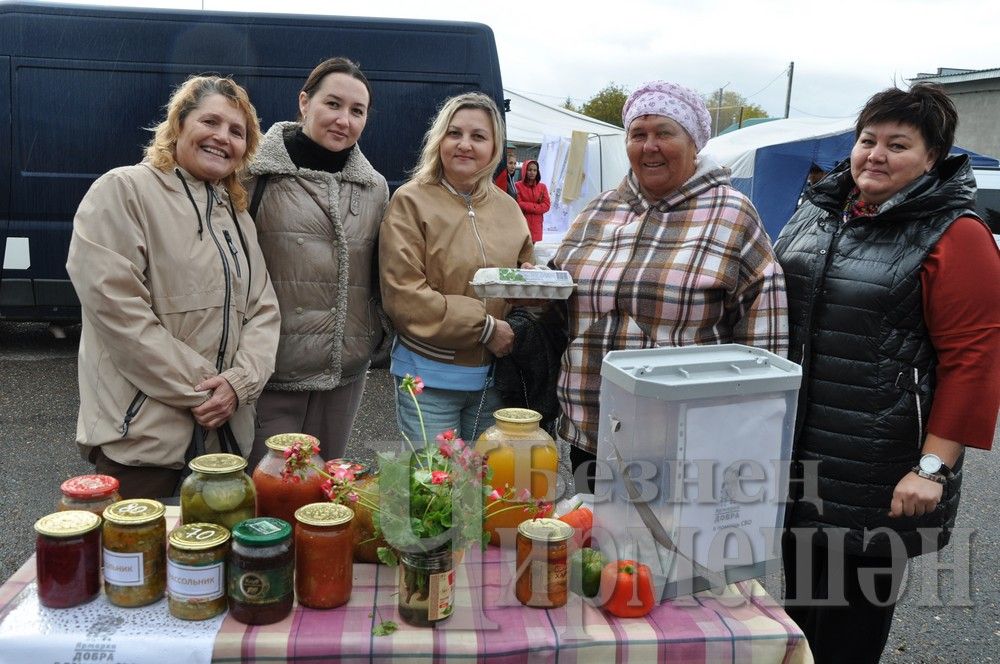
68	558
324	555
278	496
135	552
93	493
218	491
196	571
426	586
523	457
260	570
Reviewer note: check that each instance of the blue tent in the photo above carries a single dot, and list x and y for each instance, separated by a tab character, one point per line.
770	161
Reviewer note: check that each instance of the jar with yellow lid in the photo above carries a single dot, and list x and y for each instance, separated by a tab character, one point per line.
68	558
196	571
524	459
324	555
542	563
218	491
277	495
135	548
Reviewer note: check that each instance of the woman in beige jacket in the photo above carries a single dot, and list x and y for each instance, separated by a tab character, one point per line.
180	322
319	204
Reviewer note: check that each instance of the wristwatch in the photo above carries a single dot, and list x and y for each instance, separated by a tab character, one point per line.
932	468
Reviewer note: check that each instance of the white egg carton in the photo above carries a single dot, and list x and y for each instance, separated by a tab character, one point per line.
513	283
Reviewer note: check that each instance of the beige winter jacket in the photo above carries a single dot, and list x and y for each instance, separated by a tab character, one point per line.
171	286
429	251
318	232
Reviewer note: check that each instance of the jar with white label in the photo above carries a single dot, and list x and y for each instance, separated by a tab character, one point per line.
135	547
196	571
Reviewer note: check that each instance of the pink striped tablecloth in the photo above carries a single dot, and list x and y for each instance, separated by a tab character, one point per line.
742	625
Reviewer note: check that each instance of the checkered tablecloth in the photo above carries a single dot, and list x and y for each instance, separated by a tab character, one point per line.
742	625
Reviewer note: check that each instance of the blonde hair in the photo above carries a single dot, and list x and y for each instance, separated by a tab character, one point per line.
430	170
161	151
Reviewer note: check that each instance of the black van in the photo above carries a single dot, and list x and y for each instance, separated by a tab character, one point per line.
79	86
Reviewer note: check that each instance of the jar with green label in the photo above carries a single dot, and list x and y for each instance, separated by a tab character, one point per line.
218	491
196	571
260	571
135	552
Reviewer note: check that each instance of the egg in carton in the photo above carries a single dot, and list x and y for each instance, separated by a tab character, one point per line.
514	283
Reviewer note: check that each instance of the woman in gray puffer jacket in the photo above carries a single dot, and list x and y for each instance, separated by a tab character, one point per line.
318	213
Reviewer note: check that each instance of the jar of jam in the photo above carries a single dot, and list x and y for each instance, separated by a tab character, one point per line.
135	552
260	569
218	491
280	496
196	571
542	550
324	555
92	493
68	558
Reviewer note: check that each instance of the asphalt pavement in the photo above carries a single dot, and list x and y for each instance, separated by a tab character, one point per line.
943	616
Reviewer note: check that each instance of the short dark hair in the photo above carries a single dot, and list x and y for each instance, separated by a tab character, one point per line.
925	106
335	66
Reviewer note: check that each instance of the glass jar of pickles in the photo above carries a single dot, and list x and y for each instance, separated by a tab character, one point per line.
92	493
196	571
68	558
542	553
280	496
135	548
260	569
324	555
218	491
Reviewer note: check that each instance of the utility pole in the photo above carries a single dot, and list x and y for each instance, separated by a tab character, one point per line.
788	95
718	107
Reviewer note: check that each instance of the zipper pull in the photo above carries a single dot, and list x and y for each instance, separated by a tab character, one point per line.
233	251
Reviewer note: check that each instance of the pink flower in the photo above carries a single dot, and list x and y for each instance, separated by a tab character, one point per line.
524	495
439	477
343	474
446	436
494	495
412	384
353	497
445	449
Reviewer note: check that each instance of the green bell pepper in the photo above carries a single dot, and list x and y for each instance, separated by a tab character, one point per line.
585	571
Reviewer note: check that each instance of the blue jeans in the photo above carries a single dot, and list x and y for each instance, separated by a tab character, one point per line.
443	410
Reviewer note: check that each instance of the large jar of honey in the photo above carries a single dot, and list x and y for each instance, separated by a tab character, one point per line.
277	495
523	457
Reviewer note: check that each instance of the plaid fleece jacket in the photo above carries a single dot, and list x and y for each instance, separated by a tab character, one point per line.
694	268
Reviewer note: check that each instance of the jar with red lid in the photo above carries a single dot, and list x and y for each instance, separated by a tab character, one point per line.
324	555
279	496
68	558
93	493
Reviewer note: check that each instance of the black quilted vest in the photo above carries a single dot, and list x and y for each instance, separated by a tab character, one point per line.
857	328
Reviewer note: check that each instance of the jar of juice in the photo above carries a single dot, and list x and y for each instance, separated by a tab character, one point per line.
542	557
260	569
279	496
218	491
135	552
92	493
196	571
68	558
523	457
324	555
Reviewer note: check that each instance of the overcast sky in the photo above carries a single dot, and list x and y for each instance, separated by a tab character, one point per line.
844	51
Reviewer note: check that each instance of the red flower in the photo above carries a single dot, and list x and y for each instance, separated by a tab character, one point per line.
439	477
446	436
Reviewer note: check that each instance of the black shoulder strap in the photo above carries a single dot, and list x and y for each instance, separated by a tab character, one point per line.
258	193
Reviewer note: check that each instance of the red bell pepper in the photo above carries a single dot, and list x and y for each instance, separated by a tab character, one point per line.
632	588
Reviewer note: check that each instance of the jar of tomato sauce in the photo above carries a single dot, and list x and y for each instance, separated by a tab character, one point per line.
135	552
93	493
542	553
279	496
68	558
260	568
324	555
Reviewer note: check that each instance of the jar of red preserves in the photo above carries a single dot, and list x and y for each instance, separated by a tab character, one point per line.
542	552
68	558
279	496
324	555
259	571
92	493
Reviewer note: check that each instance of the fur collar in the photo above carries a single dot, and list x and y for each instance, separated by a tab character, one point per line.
272	159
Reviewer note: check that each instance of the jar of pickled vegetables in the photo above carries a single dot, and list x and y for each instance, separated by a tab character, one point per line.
324	555
68	558
280	496
196	571
260	570
92	493
135	549
218	491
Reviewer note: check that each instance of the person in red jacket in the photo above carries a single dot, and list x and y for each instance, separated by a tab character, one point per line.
533	197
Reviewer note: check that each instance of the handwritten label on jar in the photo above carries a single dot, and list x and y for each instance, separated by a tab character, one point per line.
123	569
195	581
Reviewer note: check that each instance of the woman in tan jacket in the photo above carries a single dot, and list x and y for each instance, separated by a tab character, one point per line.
180	322
442	226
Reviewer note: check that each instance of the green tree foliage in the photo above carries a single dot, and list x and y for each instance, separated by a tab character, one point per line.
728	112
568	105
607	104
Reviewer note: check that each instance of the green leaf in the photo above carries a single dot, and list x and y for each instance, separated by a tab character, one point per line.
384	628
387	556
